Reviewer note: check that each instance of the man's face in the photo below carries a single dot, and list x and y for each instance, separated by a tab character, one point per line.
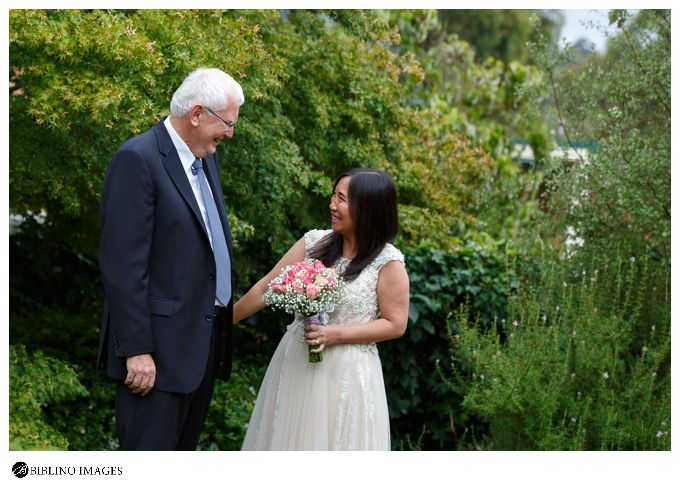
213	127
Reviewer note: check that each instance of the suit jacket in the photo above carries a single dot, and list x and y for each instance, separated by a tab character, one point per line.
157	266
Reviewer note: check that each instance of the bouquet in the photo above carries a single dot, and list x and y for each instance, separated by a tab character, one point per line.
307	288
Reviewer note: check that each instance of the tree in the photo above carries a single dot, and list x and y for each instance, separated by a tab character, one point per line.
619	197
500	34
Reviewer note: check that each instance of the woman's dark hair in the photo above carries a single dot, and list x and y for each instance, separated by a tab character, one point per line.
373	207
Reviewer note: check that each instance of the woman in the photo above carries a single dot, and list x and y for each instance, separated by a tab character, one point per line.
340	403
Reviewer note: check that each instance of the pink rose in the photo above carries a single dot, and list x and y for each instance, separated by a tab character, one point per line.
312	291
321	281
318	266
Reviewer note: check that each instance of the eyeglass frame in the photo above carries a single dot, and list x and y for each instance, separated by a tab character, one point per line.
230	124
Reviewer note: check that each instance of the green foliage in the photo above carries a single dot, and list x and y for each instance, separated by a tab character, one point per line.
230	409
500	34
620	193
484	100
585	364
36	384
421	407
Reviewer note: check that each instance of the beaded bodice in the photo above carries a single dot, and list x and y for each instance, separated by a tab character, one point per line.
359	300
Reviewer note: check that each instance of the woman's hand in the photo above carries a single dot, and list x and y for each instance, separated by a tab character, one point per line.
321	335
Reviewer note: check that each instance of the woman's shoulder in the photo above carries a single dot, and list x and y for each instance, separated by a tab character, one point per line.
314	236
389	253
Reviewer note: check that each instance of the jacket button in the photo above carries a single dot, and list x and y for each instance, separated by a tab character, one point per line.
209	317
211	277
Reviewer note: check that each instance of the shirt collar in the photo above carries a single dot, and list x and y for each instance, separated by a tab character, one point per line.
185	155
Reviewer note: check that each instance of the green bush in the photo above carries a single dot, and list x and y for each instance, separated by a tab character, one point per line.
37	383
230	409
422	409
582	366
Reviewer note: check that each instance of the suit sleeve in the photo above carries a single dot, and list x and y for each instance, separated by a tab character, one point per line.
127	217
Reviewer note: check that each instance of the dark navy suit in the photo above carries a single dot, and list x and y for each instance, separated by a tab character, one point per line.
158	269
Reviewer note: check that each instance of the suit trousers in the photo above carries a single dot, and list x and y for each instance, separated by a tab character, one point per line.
165	421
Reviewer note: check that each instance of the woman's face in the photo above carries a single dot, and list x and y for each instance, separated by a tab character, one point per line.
341	220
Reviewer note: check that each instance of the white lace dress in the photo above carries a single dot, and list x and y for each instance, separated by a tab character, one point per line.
339	403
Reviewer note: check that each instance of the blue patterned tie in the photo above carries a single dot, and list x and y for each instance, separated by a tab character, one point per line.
219	243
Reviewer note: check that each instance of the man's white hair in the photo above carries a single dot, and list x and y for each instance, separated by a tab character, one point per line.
209	87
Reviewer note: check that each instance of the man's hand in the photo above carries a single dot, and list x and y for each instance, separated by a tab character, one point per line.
141	373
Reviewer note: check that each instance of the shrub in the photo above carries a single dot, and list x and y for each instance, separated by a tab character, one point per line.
581	368
230	409
422	408
37	382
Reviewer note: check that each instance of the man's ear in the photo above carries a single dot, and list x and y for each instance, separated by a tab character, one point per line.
194	114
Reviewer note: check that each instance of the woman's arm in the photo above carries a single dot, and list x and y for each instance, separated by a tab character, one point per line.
252	301
393	299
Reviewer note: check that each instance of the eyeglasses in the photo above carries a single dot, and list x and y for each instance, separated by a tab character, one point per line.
230	124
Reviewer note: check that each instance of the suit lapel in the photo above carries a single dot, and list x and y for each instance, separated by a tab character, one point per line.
176	171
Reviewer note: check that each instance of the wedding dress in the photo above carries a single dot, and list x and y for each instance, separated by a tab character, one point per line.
339	403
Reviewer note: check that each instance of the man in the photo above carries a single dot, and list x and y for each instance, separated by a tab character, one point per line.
165	260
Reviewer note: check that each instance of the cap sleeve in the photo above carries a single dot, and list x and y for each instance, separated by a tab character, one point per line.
314	236
389	253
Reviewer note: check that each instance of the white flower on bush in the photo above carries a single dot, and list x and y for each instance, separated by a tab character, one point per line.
605	375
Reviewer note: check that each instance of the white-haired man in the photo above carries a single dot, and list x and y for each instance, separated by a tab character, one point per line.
165	261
